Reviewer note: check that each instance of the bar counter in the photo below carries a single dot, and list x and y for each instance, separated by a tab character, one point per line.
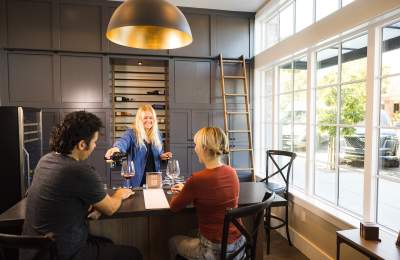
149	230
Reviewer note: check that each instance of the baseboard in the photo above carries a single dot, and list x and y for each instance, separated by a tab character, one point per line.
305	246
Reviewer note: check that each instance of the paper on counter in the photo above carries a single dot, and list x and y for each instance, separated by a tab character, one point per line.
155	199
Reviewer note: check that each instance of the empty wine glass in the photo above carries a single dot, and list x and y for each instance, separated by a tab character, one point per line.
173	170
127	171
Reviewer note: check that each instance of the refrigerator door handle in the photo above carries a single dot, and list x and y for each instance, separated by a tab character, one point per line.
28	167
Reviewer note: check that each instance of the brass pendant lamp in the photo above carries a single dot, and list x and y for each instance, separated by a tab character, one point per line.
149	24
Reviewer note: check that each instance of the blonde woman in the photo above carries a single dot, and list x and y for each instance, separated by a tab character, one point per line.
211	190
143	144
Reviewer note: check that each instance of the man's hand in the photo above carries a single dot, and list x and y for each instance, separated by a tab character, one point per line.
123	193
177	188
166	156
94	215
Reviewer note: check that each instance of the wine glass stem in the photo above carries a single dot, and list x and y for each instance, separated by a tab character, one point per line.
173	181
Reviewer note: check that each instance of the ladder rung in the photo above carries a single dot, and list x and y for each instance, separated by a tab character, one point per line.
237	113
234	77
238	131
240	150
232	61
243	169
236	95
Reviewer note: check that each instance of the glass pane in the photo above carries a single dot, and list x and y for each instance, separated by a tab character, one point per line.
391	49
327	66
325	147
286	78
300	139
390	101
268	83
286	22
285	137
266	106
272	31
388	152
326	105
300	74
299	169
352	103
388	204
354	59
325	8
324	183
300	107
346	2
304	14
351	188
352	146
285	108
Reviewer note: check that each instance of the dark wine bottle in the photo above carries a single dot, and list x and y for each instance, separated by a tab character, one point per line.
117	159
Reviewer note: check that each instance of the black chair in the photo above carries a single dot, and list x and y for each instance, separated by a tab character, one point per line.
279	188
232	216
45	245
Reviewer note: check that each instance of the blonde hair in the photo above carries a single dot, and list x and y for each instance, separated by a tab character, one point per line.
151	136
212	140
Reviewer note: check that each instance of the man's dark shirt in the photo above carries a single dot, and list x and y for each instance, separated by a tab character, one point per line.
58	201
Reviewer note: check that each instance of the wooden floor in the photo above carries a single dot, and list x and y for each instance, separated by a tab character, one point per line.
280	249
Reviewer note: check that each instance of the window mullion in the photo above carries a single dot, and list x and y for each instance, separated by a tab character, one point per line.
338	115
310	124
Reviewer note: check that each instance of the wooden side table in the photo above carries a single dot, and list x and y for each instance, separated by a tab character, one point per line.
386	249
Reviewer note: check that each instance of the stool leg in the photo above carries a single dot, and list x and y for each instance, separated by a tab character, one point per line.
287	224
268	228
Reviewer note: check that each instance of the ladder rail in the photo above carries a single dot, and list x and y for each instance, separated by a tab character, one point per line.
221	64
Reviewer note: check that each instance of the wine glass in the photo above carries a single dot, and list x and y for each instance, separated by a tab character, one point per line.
127	171
173	170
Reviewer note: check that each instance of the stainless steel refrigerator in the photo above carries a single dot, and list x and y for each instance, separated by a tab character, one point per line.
21	146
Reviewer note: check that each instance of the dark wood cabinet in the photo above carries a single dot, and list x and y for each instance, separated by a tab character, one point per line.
80	27
50	118
200	27
81	79
29	24
178	126
30	78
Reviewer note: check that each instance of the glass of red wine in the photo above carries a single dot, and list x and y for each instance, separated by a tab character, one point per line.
127	172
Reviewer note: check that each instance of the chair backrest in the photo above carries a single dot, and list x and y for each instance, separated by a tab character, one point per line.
282	169
233	216
44	243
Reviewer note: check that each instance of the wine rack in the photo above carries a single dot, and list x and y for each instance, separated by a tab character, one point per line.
135	83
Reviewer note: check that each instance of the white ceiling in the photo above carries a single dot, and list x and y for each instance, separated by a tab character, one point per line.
231	5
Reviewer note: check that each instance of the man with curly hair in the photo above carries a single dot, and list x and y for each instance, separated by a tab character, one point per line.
65	187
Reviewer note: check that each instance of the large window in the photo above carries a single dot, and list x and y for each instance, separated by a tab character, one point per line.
340	127
291	17
292	100
389	125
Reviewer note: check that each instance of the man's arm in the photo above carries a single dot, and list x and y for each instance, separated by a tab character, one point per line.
110	204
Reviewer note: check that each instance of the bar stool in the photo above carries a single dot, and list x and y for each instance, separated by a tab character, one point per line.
282	170
44	244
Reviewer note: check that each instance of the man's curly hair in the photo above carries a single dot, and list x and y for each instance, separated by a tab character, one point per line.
75	127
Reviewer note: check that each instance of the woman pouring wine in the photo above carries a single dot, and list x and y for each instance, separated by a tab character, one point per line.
143	144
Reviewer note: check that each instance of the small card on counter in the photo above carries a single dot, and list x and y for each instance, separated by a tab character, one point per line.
155	199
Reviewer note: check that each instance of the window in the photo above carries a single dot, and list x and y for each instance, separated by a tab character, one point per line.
272	31
304	14
340	132
286	22
389	124
324	8
292	100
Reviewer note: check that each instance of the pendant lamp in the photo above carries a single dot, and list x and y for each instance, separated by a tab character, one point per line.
149	24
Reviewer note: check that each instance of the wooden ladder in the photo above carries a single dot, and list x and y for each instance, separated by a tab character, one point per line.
229	114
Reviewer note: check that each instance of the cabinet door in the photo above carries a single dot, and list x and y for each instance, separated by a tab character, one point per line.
179	122
76	34
81	79
29	24
232	36
96	159
181	154
199	120
200	27
30	78
192	82
104	140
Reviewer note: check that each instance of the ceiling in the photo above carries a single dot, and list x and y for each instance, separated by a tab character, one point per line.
231	5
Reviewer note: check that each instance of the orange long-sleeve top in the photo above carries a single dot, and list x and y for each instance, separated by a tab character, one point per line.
211	191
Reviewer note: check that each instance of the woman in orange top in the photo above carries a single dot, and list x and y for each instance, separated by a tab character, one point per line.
211	190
